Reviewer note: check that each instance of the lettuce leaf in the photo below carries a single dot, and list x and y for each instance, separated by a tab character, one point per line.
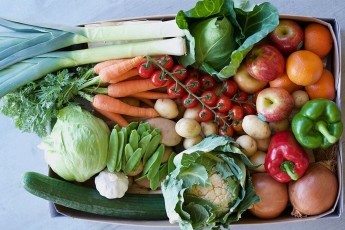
250	24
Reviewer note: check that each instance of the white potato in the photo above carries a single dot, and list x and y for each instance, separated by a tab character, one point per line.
281	125
208	128
263	144
300	97
248	144
258	159
187	128
256	128
169	137
189	142
166	108
192	113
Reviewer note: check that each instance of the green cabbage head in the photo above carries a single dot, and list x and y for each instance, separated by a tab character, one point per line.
76	149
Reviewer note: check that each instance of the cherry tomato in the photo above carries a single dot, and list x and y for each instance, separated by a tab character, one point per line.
159	79
221	118
229	88
193	84
146	69
189	101
175	90
205	114
166	61
179	72
193	73
236	113
209	98
237	126
248	109
241	96
224	104
226	130
208	82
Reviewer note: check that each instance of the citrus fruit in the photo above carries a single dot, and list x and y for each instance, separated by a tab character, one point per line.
323	88
318	39
284	82
304	67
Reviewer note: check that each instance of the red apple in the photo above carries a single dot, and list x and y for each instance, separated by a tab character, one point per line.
246	82
288	36
265	62
274	104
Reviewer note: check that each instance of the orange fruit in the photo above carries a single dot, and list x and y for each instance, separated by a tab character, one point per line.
283	81
318	39
304	67
323	88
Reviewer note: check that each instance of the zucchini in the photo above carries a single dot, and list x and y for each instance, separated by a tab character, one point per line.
131	206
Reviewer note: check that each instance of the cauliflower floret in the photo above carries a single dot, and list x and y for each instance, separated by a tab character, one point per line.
218	192
111	185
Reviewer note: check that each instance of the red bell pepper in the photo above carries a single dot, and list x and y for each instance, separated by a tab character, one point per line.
285	160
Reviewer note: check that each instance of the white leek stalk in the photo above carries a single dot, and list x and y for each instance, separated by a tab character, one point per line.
28	41
34	68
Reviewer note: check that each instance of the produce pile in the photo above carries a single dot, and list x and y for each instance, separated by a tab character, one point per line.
226	110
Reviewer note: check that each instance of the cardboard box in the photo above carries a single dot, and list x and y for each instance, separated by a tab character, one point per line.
333	63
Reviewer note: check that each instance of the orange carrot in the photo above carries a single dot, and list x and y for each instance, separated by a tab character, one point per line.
119	68
97	68
117	78
151	95
113	105
130	87
146	101
118	118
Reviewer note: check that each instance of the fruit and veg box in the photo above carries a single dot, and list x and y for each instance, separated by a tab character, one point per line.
333	64
205	121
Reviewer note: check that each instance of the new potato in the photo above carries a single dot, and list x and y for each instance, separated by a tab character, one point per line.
169	137
188	128
248	144
166	108
256	128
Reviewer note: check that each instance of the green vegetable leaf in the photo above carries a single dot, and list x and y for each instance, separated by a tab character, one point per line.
250	24
216	160
194	174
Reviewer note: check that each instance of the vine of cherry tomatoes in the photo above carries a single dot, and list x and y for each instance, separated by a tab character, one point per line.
221	101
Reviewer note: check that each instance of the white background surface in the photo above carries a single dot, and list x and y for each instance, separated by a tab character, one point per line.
18	151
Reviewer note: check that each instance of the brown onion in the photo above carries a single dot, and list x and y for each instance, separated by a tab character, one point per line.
273	196
315	192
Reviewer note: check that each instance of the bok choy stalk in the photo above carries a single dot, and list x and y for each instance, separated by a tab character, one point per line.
22	41
32	69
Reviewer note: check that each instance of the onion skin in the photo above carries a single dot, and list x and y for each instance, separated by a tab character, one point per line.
273	196
315	192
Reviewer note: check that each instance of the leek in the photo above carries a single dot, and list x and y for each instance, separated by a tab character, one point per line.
32	40
34	68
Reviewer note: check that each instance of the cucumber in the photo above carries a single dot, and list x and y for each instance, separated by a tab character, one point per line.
131	206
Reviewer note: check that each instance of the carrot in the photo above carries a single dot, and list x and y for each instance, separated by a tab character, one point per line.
117	78
101	65
118	118
151	95
113	105
119	68
130	87
147	101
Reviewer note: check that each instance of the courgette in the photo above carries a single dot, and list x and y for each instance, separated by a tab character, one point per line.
78	197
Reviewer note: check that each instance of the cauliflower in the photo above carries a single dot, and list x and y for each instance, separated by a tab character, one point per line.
218	193
111	185
209	187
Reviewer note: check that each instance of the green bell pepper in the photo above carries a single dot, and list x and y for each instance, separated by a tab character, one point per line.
318	124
